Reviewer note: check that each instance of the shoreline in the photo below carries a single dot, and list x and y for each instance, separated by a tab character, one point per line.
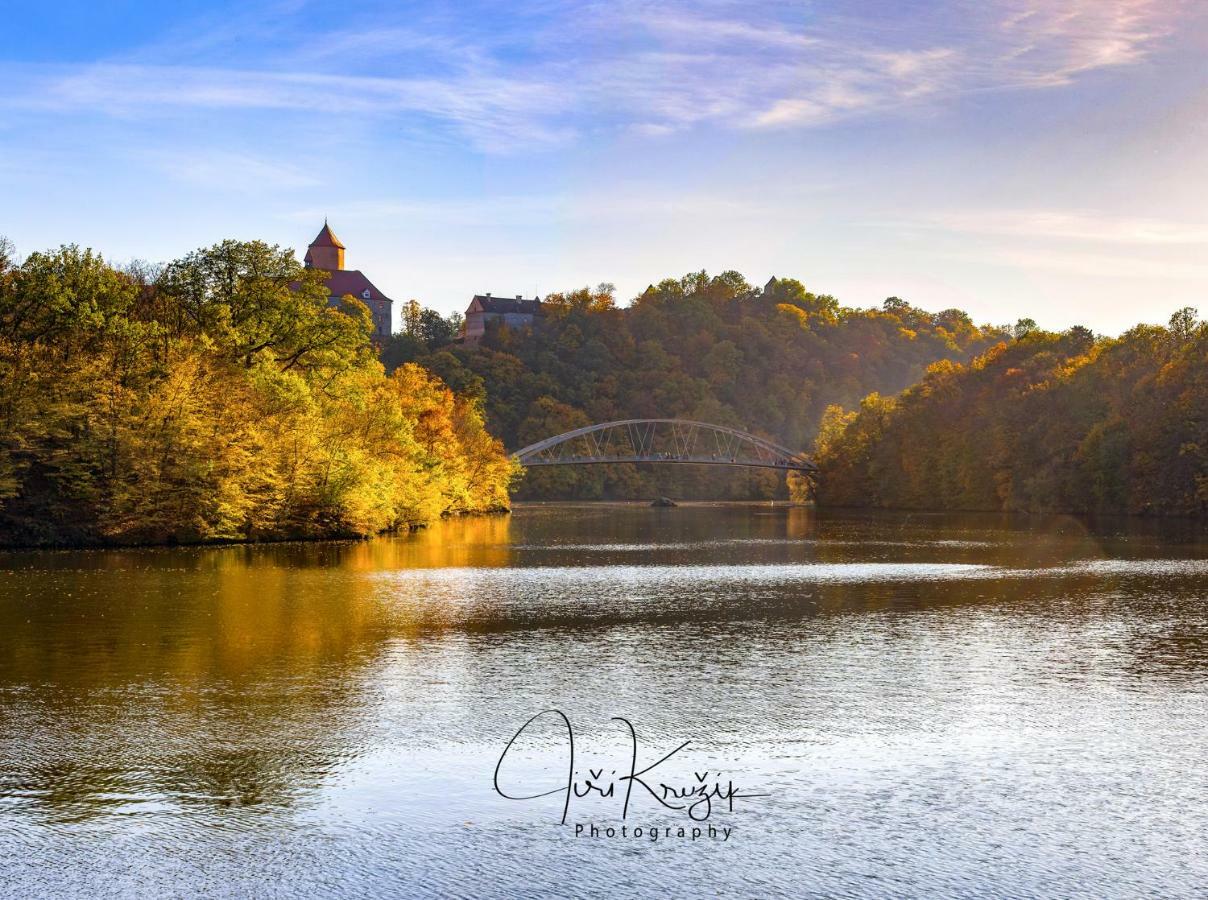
895	510
1156	519
244	542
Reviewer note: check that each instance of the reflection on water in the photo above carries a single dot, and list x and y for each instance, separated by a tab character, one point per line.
935	704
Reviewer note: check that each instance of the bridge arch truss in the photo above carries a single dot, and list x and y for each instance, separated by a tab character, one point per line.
662	441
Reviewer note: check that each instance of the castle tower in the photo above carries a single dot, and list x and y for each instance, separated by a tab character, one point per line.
325	251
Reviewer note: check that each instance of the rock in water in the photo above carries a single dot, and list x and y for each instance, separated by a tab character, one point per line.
663	502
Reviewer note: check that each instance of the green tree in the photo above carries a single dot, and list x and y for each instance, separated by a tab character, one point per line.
1022	328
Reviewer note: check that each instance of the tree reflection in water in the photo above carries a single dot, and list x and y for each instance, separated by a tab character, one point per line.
287	690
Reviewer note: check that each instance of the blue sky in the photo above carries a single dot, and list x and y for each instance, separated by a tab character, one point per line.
1042	158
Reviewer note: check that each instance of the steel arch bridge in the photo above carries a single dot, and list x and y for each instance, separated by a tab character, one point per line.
662	441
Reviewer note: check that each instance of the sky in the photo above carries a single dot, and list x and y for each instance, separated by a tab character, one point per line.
1014	158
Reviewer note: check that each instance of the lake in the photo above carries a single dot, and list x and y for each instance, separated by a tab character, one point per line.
886	704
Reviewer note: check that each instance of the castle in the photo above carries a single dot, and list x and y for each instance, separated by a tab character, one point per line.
326	253
514	313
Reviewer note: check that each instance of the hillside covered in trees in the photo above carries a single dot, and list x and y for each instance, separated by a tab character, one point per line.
1046	422
767	360
217	398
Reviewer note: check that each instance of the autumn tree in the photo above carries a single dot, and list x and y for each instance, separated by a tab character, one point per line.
1050	422
220	398
712	347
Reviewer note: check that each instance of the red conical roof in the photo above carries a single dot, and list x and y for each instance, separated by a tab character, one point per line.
327	238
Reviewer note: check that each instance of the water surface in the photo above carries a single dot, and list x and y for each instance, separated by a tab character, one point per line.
931	704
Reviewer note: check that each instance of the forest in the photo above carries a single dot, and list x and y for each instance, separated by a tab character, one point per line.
216	398
1042	422
769	360
222	397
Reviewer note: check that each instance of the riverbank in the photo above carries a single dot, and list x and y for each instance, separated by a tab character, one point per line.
252	541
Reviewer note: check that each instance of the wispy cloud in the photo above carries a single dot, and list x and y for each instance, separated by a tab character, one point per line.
1084	244
687	26
486	107
1064	225
636	203
1049	43
1085	264
554	71
228	171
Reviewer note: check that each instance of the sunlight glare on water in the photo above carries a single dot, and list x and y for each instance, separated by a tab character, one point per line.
931	704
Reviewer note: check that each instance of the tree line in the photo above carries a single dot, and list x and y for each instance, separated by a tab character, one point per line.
223	397
1040	422
218	397
768	360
